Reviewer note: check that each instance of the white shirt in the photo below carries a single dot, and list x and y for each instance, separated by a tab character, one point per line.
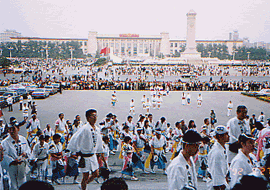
132	104
181	174
199	99
236	128
158	143
130	125
162	126
61	124
41	151
177	132
49	132
34	124
55	148
87	140
14	150
261	119
239	167
230	106
218	166
29	98
10	100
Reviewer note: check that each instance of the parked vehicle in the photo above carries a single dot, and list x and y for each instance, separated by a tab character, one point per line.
57	86
3	102
13	94
51	89
31	88
21	90
263	92
40	93
3	90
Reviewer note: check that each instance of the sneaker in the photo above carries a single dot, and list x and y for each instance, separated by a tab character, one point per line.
48	181
56	181
75	182
33	176
134	178
164	173
145	172
111	152
200	176
153	172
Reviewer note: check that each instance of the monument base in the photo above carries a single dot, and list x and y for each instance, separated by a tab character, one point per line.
194	56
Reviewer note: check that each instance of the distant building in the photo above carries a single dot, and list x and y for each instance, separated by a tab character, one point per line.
6	35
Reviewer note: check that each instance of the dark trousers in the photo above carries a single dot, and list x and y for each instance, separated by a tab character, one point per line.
10	108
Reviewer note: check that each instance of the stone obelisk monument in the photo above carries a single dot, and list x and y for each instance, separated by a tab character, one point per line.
191	53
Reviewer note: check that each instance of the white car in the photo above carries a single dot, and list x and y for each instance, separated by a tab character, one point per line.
263	92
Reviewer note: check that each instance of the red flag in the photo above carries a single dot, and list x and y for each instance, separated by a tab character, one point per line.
105	50
1	113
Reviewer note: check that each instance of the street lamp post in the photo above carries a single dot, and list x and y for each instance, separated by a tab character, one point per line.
209	53
234	54
10	48
71	52
248	55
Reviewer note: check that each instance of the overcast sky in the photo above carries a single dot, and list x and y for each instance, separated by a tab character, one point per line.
74	18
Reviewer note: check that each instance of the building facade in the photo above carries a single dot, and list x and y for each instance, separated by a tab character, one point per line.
132	44
7	34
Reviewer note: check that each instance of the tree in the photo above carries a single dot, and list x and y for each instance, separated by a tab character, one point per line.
4	62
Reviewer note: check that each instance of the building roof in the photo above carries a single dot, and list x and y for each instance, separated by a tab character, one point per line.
59	39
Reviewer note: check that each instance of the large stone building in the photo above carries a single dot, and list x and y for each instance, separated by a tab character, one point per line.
132	44
7	34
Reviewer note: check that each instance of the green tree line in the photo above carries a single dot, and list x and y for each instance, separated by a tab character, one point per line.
37	49
221	52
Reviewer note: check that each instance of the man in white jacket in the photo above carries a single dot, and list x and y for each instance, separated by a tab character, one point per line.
217	160
88	141
182	172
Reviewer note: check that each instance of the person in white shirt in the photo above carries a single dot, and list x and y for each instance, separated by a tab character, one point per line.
154	101
188	98
33	125
21	102
16	153
157	154
159	101
143	100
48	131
10	103
199	100
244	162
88	141
55	150
40	152
130	124
161	124
236	127
25	110
229	107
60	125
217	160
261	118
132	107
181	173
29	100
147	106
183	99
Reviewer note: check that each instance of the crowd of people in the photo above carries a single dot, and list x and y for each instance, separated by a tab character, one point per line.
91	79
224	153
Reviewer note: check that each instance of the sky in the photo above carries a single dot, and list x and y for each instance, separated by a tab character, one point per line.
75	18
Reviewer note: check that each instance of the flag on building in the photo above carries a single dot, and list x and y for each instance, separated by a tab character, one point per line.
105	50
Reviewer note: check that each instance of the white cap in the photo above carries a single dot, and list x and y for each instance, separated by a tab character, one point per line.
220	130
